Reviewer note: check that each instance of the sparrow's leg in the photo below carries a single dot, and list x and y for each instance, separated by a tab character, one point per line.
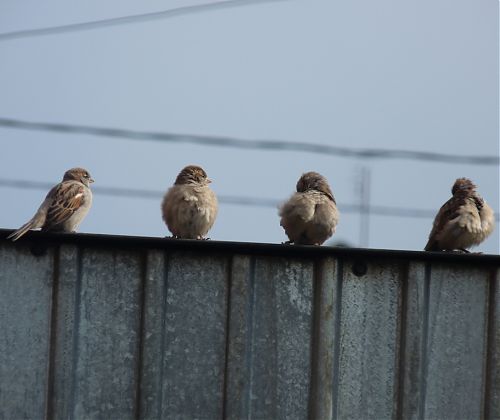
464	250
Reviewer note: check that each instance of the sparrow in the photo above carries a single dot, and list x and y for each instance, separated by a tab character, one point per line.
64	207
310	215
463	221
189	207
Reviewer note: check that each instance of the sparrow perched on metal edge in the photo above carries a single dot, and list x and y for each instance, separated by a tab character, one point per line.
64	207
463	221
189	207
310	215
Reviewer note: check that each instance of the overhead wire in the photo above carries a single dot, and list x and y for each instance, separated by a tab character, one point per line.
230	142
367	153
225	199
131	19
214	140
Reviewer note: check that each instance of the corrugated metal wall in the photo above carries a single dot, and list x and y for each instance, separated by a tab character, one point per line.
124	328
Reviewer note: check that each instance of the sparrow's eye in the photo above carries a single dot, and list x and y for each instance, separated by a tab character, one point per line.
85	175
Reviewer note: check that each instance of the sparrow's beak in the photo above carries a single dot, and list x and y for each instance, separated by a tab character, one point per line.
209	180
91	180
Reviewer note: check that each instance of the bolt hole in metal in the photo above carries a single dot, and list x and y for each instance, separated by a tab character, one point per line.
359	268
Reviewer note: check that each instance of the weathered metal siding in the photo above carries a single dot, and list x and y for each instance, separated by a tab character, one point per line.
124	328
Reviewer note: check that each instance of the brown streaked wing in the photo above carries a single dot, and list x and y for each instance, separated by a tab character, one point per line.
68	197
329	194
447	212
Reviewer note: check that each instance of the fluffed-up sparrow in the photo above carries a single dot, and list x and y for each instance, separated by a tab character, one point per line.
310	215
189	207
64	207
463	221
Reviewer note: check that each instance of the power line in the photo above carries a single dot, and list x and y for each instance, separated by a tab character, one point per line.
126	20
267	145
225	199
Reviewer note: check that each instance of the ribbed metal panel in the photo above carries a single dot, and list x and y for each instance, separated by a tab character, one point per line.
103	327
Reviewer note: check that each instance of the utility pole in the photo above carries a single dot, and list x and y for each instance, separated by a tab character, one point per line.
364	227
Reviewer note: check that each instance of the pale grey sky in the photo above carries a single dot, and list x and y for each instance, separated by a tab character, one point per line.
386	74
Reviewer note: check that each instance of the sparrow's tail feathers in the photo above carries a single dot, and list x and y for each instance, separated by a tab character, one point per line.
22	230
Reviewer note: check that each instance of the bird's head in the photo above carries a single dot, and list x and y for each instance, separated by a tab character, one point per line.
78	174
194	175
314	181
463	185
